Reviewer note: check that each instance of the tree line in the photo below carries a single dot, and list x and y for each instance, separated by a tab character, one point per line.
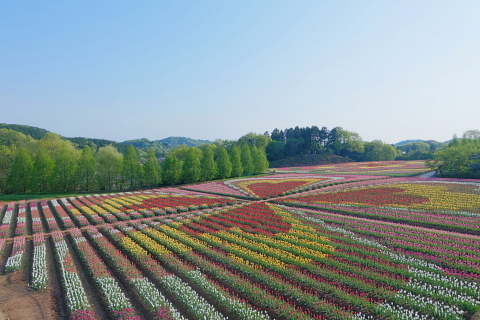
460	159
54	164
313	140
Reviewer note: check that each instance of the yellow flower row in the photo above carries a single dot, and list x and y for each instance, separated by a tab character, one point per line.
113	203
246	262
165	238
264	247
267	260
152	245
320	246
183	235
133	247
441	198
76	212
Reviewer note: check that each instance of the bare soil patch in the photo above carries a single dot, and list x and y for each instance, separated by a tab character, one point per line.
19	302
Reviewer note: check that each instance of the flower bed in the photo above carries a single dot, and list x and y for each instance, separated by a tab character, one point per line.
381	168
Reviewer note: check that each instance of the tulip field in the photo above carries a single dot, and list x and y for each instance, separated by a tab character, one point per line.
398	168
282	246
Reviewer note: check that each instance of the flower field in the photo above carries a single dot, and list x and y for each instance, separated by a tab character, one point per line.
437	203
272	186
327	247
382	168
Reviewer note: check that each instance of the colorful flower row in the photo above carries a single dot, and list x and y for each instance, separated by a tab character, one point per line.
77	300
39	264
114	297
17	256
7	221
385	168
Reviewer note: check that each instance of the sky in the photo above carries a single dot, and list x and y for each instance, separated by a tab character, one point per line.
121	70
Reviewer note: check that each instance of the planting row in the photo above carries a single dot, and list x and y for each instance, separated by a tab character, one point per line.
437	203
62	214
397	168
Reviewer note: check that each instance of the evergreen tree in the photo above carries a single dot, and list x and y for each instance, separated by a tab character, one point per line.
208	165
192	170
247	161
236	159
132	168
87	166
223	163
172	169
152	170
109	167
43	168
20	175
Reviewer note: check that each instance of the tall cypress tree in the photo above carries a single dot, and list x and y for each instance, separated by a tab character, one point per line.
260	162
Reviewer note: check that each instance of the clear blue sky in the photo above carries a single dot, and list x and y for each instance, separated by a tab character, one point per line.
119	70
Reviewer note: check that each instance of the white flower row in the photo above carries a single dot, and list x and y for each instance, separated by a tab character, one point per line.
14	262
241	309
39	267
76	296
470	288
114	294
433	290
202	309
153	297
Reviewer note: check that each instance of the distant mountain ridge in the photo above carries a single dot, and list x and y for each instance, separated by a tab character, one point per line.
161	144
404	142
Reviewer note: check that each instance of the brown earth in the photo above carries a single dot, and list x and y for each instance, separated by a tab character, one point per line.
19	302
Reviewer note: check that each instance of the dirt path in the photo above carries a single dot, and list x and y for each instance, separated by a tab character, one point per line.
19	302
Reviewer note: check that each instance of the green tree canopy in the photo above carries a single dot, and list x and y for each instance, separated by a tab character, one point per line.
132	168
208	165
43	169
109	168
247	160
192	170
236	159
224	164
87	167
172	169
20	175
152	170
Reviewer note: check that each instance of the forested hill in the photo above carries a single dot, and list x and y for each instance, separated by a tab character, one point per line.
162	146
35	133
170	142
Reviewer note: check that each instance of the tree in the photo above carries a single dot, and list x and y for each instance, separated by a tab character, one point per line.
132	168
247	161
192	170
9	137
43	169
260	162
7	155
223	163
20	175
109	167
87	166
172	169
236	159
65	169
208	165
253	139
276	150
152	170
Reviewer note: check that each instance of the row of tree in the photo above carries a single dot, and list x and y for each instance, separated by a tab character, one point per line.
313	140
461	159
52	164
